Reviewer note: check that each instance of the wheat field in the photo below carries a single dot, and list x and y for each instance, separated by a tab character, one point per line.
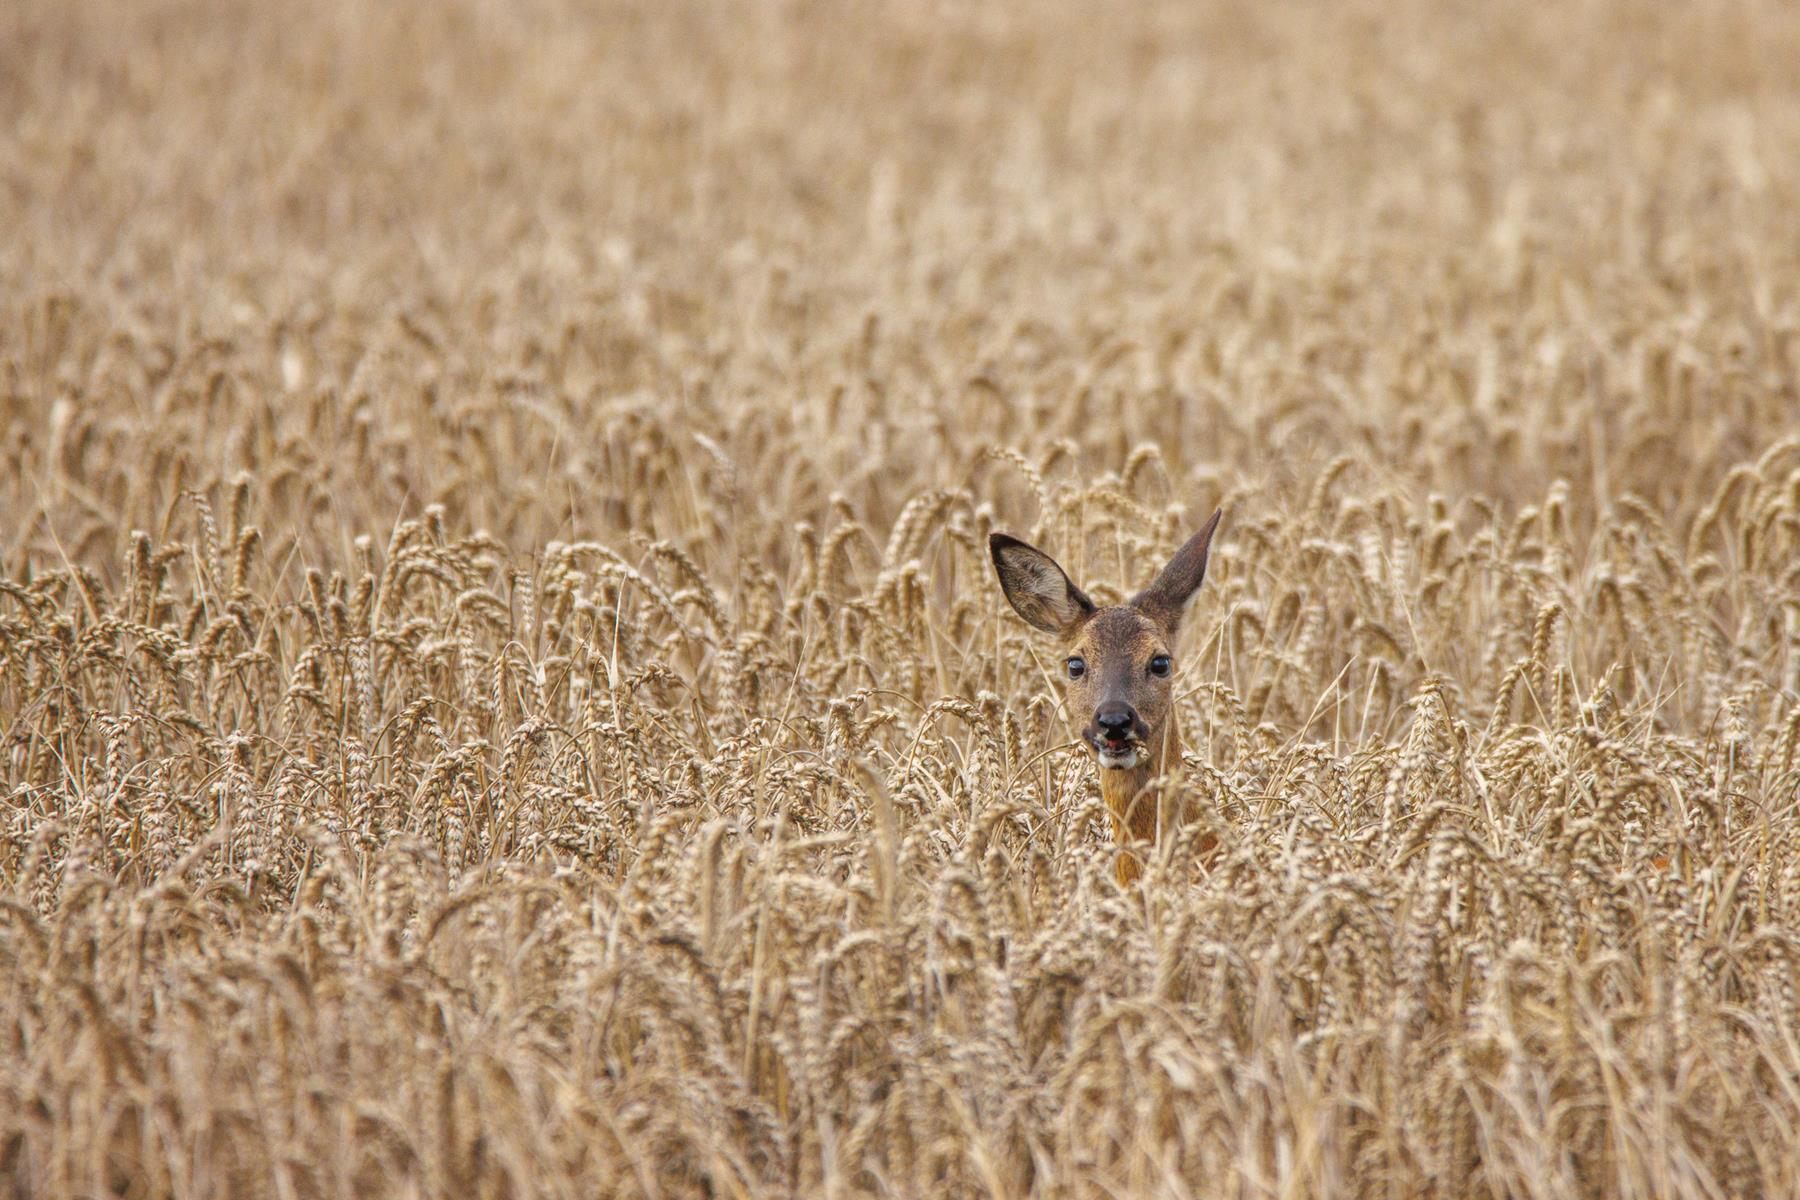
502	691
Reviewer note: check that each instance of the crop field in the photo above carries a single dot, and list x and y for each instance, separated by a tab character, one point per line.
503	692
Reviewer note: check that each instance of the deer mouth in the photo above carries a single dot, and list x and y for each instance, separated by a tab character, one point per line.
1118	754
1118	760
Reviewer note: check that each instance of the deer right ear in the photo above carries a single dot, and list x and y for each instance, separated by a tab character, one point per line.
1035	586
1168	596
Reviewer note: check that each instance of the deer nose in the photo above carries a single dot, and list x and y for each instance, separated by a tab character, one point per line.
1114	719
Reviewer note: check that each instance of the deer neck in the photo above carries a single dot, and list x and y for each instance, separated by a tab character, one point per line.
1132	807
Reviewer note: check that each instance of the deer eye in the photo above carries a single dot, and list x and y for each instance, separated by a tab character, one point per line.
1160	665
1077	668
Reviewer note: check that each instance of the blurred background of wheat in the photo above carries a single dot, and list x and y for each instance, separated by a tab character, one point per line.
501	692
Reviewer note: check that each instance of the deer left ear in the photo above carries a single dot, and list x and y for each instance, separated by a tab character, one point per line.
1038	589
1166	599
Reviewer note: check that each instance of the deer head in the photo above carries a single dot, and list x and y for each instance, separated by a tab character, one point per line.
1120	660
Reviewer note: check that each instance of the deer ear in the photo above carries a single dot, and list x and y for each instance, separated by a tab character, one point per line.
1035	586
1167	598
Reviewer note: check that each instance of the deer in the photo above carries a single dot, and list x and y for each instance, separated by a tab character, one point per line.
1119	661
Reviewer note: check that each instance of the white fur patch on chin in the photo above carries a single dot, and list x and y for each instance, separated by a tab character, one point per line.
1119	760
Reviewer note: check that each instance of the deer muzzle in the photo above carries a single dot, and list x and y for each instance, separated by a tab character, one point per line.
1118	736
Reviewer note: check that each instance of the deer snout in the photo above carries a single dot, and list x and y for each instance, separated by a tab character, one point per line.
1117	735
1117	722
